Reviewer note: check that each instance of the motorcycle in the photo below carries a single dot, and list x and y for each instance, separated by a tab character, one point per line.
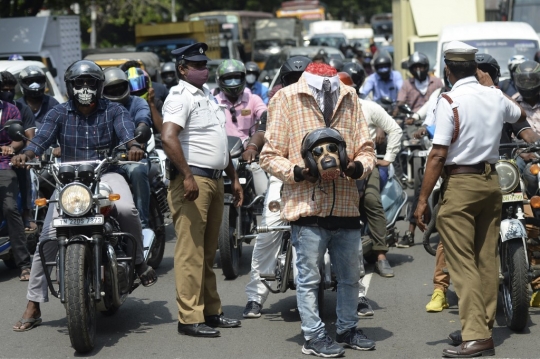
239	224
93	271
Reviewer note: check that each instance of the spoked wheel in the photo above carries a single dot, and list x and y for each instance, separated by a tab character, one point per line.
515	283
157	224
230	256
80	305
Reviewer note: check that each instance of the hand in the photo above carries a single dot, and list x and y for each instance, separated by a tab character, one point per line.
420	133
484	78
249	155
409	121
151	95
7	150
308	177
19	160
135	153
57	152
380	136
351	166
383	163
238	193
528	157
191	190
421	214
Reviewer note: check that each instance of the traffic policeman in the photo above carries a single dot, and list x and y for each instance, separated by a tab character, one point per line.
469	120
195	142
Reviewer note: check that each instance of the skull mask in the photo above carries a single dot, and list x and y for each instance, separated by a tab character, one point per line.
85	95
326	156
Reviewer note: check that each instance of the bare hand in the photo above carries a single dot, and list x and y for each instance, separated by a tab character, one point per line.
135	153
484	78
19	160
421	214
409	121
191	190
420	133
249	155
380	136
238	193
151	95
308	177
7	150
57	152
383	163
528	157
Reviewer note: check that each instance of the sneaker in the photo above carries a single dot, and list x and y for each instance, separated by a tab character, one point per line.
438	302
406	241
354	338
535	299
253	309
324	347
364	308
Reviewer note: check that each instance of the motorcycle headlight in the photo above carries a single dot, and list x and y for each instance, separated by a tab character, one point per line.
75	200
508	176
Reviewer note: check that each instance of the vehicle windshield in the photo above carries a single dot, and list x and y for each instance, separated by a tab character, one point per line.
332	41
266	44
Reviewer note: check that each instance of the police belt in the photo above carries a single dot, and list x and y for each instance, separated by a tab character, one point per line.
206	172
479	168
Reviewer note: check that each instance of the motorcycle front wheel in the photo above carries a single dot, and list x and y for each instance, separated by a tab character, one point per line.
230	256
158	226
80	305
515	292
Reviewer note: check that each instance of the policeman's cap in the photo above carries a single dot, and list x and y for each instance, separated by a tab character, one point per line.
195	52
459	51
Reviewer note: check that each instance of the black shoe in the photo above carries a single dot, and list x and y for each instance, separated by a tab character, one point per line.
384	268
354	338
364	308
219	321
323	347
253	309
407	240
197	330
455	337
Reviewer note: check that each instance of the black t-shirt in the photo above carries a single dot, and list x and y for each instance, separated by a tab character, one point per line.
160	94
48	103
510	129
28	119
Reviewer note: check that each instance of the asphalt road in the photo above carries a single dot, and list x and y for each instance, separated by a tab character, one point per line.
146	325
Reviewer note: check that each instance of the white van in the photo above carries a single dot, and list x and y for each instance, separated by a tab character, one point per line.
500	39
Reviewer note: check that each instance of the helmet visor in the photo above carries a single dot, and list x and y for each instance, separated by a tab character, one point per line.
232	80
115	91
85	81
527	81
137	84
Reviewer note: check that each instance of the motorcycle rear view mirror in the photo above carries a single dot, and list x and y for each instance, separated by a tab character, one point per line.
143	134
385	100
15	130
405	109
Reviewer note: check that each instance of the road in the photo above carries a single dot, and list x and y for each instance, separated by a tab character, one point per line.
146	325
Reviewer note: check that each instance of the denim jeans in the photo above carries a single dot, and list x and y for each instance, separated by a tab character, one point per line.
311	244
137	176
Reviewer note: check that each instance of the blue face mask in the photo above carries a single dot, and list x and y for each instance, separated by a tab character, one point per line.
447	81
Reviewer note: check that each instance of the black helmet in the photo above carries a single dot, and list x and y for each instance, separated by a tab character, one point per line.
116	85
488	64
32	80
168	74
337	64
231	77
527	79
252	72
383	65
320	157
421	60
356	72
292	69
84	92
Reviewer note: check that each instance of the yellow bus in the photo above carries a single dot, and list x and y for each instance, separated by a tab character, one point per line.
235	30
307	11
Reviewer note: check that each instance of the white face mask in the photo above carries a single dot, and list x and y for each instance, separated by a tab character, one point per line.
34	86
251	78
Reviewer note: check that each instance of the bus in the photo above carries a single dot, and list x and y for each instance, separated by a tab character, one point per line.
306	11
235	30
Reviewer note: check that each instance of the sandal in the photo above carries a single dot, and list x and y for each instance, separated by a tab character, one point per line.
148	277
30	226
34	322
25	275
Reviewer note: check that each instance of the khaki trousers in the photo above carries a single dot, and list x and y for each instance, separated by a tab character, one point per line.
197	226
468	222
441	280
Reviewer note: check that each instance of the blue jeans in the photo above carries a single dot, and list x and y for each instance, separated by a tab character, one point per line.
311	244
137	176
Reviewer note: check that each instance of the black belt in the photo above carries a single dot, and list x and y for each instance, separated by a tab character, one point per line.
330	223
478	168
206	172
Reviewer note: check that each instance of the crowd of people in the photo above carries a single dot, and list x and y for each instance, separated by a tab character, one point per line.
317	134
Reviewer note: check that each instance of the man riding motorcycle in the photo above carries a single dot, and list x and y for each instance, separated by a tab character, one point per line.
257	88
168	74
84	125
508	86
33	82
385	82
357	74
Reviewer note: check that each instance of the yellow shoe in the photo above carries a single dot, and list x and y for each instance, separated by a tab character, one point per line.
535	299
438	302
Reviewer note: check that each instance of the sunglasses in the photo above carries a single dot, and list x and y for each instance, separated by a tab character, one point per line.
29	81
319	150
232	110
88	81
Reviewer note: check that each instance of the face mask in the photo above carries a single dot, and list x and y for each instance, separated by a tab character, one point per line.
197	77
250	79
38	90
420	75
447	81
169	80
85	96
327	157
7	96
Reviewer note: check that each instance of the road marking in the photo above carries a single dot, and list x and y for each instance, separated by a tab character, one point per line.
366	280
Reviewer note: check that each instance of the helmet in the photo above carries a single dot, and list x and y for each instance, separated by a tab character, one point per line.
292	69
514	62
231	77
116	85
15	57
168	74
325	153
32	80
356	72
418	65
336	63
252	72
527	79
84	82
383	65
139	82
345	78
487	63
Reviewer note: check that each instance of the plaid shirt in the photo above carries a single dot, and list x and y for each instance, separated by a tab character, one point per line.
81	137
9	112
292	113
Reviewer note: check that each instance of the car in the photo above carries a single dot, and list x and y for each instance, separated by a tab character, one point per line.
335	40
15	68
274	62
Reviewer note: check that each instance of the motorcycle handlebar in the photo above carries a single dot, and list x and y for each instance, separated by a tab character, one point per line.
267	229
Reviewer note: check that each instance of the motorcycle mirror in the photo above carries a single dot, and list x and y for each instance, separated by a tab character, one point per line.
143	134
15	130
406	109
385	100
405	64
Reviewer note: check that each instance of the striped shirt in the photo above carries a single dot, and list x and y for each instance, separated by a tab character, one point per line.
292	113
81	137
7	112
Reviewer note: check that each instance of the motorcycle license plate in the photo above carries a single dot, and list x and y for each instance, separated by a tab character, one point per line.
74	222
422	153
512	197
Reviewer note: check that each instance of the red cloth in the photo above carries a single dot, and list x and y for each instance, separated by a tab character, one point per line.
320	69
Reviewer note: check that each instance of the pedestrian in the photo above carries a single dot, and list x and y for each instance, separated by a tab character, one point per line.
317	142
469	120
195	142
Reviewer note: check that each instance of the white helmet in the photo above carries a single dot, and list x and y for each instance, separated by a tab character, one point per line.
514	62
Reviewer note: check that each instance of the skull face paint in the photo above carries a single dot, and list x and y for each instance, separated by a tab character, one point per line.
327	157
85	95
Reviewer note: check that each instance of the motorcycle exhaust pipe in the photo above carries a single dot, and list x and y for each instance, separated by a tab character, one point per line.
148	242
117	300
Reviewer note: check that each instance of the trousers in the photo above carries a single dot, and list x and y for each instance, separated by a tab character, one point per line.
371	205
441	280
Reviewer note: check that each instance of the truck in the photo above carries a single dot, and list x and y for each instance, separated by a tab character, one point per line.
162	38
271	35
53	40
307	11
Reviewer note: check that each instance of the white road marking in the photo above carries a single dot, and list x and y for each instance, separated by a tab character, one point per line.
366	280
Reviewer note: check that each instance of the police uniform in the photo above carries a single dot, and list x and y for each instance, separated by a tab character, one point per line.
469	120
204	143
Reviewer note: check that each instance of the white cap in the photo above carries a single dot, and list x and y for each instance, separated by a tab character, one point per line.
459	51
